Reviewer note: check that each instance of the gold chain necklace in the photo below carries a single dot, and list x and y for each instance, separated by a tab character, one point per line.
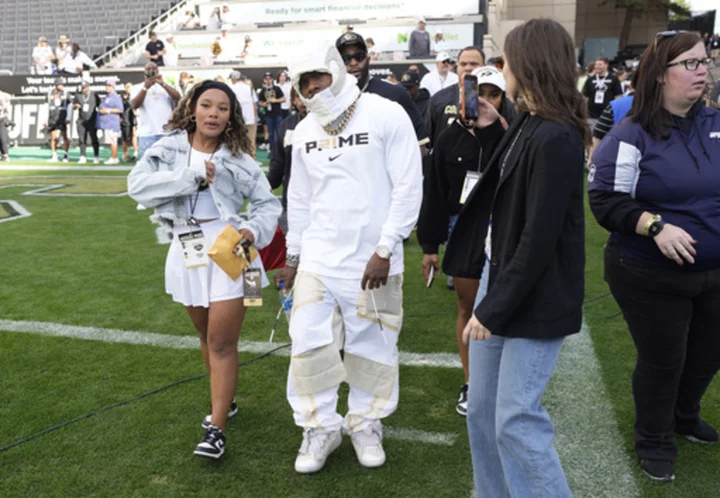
345	120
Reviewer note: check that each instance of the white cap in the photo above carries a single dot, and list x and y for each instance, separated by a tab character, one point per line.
439	32
225	27
442	56
421	19
490	75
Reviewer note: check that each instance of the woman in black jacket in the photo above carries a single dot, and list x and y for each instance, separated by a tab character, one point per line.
458	160
533	190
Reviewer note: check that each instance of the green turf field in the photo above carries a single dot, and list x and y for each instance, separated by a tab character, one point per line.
85	257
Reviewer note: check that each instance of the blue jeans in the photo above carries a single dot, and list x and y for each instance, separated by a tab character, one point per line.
273	125
144	143
510	432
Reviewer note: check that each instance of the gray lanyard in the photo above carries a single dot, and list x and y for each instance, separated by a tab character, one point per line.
512	145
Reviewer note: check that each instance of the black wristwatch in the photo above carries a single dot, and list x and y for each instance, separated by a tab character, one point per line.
655	228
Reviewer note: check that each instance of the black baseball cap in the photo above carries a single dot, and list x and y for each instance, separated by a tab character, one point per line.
349	39
410	78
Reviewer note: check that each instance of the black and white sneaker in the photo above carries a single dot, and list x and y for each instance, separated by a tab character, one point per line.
658	470
462	401
703	433
451	283
231	413
213	444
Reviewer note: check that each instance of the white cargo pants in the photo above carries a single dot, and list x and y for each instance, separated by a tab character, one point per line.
330	315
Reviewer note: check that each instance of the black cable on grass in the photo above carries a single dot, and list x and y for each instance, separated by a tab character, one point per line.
597	298
128	401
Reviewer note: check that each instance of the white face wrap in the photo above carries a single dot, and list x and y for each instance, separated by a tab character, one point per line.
329	104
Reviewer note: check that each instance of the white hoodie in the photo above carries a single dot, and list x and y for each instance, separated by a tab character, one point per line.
351	193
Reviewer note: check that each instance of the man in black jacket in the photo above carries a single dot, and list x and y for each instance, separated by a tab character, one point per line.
281	158
86	104
420	96
354	52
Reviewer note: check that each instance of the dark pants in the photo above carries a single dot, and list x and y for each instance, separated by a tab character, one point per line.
84	128
4	137
273	125
674	320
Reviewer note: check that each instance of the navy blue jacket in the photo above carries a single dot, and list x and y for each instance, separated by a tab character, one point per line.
677	178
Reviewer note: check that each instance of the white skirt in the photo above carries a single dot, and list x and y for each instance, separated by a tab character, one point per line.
207	284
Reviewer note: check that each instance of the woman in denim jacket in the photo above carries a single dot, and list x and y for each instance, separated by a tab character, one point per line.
198	178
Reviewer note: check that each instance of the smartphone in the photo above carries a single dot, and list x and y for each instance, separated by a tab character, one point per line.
469	97
431	277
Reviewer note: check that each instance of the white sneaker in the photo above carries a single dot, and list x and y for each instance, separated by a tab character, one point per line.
66	160
83	160
112	161
96	160
140	207
53	159
315	448
368	445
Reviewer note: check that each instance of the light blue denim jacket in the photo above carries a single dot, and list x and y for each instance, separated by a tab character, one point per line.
162	180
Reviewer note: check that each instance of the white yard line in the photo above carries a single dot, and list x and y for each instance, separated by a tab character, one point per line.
442	360
29	167
22	212
588	440
416	436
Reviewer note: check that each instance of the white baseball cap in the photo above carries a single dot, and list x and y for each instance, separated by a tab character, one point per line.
439	32
442	56
490	75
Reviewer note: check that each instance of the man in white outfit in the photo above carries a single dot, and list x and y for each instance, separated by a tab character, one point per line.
442	78
354	195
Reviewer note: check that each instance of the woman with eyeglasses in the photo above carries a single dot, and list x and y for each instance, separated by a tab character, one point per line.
655	185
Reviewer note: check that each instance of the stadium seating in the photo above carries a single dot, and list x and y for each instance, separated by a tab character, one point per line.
93	24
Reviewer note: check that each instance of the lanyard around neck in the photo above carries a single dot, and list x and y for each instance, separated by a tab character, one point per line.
194	202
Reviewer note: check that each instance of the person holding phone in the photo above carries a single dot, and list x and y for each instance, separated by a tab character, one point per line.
458	162
533	188
198	178
153	100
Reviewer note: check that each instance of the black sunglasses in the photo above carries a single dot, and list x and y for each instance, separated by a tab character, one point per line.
358	56
662	35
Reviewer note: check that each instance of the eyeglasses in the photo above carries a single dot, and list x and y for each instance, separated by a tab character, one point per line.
694	64
358	56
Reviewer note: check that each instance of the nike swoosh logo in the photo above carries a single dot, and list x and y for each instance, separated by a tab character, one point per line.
333	158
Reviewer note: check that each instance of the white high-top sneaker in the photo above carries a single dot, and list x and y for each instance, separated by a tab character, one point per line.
368	445
82	160
53	159
315	448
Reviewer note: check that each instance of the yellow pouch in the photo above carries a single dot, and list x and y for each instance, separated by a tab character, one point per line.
223	253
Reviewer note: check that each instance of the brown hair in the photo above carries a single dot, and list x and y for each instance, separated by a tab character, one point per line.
235	136
647	108
541	55
603	59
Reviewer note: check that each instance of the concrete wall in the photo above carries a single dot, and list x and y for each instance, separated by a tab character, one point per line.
596	21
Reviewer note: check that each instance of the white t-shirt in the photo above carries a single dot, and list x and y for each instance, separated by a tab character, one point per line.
72	64
171	56
205	208
434	83
43	54
247	103
228	50
286	87
155	111
440	46
64	56
353	192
